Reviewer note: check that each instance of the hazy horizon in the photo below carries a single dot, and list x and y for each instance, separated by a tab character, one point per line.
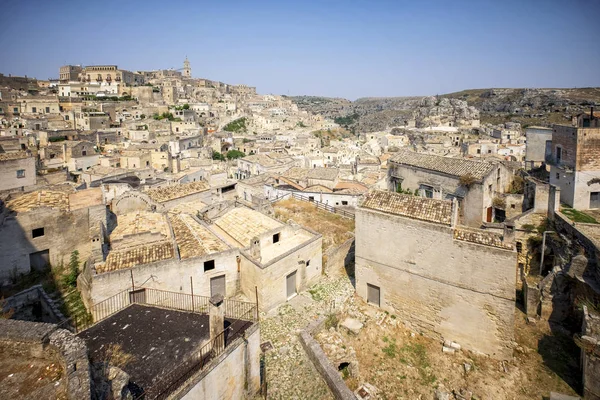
351	49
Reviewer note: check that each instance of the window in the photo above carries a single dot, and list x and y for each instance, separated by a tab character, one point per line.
558	155
557	175
208	265
84	153
478	151
66	117
47	109
20	173
519	247
276	238
33	109
16	110
308	263
344	203
37	232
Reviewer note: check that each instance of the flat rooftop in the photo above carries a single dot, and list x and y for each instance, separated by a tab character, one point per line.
159	340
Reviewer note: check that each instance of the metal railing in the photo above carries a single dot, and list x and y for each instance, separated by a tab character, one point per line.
233	309
173	380
323	206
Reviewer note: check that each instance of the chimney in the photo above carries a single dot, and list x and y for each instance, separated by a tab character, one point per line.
216	322
509	233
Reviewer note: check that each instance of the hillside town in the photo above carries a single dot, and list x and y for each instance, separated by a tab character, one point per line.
165	236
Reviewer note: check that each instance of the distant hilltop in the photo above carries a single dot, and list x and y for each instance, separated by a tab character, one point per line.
545	106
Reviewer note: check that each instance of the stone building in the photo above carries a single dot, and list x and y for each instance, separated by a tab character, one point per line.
69	73
241	252
109	73
17	171
575	161
474	184
445	280
44	227
538	145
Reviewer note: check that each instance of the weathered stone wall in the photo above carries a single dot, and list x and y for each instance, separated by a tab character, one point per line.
64	232
270	278
171	275
338	258
8	173
590	355
235	374
319	359
24	303
446	288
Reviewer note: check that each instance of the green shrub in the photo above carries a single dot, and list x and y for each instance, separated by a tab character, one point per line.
71	278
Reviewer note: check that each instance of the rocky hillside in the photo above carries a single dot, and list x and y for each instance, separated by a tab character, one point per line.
525	106
529	106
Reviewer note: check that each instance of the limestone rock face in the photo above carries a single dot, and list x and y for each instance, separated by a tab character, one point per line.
445	112
578	266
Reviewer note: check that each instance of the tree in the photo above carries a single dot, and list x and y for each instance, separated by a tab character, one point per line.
186	106
73	267
218	156
234	154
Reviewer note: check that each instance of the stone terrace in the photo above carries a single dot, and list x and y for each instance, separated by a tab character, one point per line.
242	224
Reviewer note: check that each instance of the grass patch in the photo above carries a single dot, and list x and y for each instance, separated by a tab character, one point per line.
578	216
332	321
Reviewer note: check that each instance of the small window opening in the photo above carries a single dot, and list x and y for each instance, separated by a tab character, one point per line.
276	238
208	265
37	232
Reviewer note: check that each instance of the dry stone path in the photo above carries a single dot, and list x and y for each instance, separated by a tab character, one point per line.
290	374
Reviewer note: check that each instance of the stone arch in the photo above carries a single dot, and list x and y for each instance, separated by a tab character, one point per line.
133	201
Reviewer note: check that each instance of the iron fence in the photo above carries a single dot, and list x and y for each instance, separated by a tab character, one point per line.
323	206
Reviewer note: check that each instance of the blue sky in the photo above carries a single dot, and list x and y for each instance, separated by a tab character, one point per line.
346	48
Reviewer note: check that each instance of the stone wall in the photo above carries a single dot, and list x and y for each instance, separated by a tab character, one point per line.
235	374
446	288
339	258
33	304
270	278
319	359
590	355
8	173
171	275
45	341
63	233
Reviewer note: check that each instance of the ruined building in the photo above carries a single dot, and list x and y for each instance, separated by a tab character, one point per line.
445	280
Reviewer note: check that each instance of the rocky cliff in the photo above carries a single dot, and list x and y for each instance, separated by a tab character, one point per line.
524	106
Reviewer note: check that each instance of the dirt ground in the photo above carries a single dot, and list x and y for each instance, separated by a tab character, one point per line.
30	378
406	365
334	228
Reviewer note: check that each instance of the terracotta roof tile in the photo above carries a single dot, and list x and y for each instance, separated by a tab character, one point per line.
480	237
167	193
450	166
438	211
145	254
193	239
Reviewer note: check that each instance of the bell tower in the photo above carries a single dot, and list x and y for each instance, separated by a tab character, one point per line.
187	69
